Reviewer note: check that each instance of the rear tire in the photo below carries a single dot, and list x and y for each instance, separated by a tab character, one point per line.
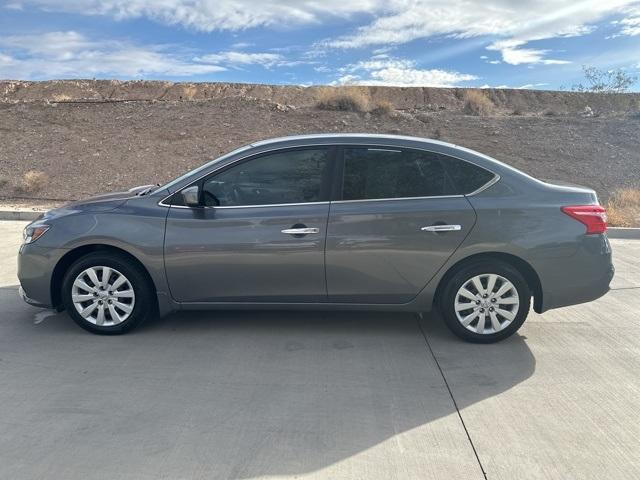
107	293
485	301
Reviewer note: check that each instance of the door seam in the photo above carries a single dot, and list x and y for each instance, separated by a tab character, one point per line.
324	257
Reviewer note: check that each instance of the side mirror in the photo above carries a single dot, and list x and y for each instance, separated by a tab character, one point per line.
191	196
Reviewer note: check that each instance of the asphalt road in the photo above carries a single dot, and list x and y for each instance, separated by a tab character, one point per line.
321	395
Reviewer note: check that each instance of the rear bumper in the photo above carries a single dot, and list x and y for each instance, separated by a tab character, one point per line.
580	278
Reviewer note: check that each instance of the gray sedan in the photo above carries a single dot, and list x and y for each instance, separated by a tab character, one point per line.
326	222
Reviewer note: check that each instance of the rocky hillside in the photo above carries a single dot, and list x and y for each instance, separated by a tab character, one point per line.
87	137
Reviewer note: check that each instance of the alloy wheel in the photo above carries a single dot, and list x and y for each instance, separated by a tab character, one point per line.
486	303
103	296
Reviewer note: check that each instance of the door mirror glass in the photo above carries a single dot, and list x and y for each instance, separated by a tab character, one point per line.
191	196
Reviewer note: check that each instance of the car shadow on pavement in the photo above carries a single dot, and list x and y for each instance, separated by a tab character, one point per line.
240	394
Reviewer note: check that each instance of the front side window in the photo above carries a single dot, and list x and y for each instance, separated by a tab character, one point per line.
377	173
294	176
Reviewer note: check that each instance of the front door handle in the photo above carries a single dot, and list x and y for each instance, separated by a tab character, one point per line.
442	228
300	231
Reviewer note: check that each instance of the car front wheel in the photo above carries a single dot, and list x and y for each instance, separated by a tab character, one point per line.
485	301
107	293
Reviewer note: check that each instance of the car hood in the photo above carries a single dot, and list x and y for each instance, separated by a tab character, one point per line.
99	203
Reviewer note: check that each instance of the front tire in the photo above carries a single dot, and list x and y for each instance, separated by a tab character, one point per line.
107	293
485	301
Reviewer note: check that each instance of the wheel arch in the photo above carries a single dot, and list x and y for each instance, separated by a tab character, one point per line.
72	255
524	267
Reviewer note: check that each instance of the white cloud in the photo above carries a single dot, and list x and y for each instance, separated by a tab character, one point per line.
382	50
521	87
631	23
486	59
518	23
394	21
400	73
512	54
525	20
377	64
243	58
70	54
241	45
530	86
210	15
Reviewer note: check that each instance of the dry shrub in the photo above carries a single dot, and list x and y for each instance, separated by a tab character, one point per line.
476	102
189	92
347	99
623	208
34	181
382	107
4	181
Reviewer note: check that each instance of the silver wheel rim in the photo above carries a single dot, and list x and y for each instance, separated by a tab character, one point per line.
103	296
486	303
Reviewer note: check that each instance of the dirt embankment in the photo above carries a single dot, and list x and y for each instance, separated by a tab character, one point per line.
96	136
403	98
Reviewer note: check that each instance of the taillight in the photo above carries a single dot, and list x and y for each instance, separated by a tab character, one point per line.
594	217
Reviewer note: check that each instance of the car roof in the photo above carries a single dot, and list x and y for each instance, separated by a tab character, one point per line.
349	138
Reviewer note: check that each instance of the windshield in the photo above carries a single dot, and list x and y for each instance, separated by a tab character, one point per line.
169	186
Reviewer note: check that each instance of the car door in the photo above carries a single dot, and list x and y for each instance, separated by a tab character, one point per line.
396	220
259	235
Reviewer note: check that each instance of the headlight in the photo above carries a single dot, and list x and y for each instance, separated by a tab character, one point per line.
31	234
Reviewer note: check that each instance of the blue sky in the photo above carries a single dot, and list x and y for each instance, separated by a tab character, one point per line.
498	43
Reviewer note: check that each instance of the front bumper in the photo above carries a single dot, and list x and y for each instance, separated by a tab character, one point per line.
35	271
31	301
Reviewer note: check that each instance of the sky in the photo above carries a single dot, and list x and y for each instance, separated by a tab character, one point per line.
540	44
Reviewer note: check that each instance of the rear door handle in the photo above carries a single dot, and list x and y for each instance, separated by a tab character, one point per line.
300	231
442	228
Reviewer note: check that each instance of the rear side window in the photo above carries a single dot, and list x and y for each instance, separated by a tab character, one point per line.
466	176
378	173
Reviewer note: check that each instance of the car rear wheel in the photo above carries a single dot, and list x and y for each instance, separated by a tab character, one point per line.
485	301
107	293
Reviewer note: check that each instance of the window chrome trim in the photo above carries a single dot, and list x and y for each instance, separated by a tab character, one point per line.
369	149
324	202
329	145
491	182
393	199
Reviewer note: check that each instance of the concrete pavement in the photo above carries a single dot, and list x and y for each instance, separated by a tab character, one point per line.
321	395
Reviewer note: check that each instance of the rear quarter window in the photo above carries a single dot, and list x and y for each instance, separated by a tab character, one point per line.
466	177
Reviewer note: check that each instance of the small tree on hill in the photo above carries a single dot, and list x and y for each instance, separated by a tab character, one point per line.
605	81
